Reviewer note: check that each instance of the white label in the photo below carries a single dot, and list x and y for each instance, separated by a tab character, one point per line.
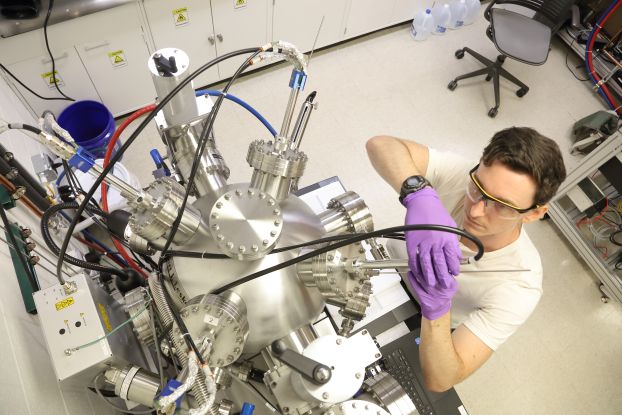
211	320
462	410
48	78
238	4
181	17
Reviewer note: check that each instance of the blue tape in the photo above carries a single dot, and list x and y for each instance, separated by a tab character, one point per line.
170	387
82	160
298	80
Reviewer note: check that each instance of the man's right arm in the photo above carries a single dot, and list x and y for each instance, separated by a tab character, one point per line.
396	159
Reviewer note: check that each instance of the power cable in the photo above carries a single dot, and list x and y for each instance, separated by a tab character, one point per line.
4	68
47	45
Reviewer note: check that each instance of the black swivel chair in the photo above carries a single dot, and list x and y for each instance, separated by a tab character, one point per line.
523	35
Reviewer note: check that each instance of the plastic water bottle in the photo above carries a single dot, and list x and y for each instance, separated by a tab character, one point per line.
423	25
441	12
472	11
458	12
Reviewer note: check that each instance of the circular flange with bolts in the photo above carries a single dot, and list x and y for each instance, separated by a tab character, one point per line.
220	320
355	407
246	223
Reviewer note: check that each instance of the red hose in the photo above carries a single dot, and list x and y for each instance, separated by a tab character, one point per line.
104	187
590	63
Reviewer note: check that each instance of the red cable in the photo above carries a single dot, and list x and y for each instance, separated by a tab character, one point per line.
104	187
590	64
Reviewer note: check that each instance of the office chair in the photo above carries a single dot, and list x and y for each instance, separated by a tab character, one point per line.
523	35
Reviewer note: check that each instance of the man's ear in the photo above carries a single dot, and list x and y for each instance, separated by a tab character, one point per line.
535	214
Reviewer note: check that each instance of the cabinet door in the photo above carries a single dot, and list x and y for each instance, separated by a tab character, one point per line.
116	59
37	74
187	25
298	21
368	15
238	28
405	10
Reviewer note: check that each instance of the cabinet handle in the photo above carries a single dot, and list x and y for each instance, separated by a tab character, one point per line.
219	36
48	60
211	40
99	45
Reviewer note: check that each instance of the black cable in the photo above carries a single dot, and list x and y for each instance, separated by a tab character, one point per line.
47	45
7	226
574	39
49	241
349	241
613	236
117	156
202	142
4	68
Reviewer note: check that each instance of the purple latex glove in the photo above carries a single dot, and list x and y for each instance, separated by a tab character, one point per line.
435	301
434	257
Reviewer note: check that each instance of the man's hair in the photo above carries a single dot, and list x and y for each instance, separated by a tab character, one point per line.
524	150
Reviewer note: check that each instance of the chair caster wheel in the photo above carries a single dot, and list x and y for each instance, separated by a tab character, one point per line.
459	54
521	92
452	85
493	112
604	299
488	78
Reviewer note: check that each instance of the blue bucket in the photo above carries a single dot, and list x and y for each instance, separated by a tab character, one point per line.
90	124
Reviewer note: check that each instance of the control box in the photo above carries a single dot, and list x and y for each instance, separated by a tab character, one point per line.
83	317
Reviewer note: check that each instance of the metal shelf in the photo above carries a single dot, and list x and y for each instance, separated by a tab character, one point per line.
565	216
601	66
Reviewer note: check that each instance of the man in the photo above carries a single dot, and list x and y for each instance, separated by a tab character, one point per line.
519	172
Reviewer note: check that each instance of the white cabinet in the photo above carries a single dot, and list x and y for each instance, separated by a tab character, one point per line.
185	24
297	21
368	15
405	10
238	28
70	74
84	51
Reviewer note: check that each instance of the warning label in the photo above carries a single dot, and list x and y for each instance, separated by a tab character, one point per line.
49	78
117	58
181	16
238	4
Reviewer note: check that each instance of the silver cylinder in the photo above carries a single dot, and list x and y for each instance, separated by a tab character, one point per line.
347	213
182	107
183	142
135	384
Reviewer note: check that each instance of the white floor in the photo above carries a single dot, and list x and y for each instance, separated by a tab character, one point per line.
566	358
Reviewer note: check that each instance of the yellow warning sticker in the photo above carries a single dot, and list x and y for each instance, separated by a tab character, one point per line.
117	58
180	16
49	78
104	314
62	304
238	4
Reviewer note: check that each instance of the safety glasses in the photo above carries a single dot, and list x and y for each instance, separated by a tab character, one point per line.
504	210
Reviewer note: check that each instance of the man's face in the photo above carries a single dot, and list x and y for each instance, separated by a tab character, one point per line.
486	218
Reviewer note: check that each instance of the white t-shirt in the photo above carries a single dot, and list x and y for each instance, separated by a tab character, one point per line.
492	305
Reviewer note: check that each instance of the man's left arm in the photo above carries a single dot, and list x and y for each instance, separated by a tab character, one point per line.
449	358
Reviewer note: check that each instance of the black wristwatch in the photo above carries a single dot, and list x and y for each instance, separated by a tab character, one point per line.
411	185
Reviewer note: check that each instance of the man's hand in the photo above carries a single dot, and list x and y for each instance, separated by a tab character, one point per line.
434	257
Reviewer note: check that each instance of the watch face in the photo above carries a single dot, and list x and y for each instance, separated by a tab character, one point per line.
415	182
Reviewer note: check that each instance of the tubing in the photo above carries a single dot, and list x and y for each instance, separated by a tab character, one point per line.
23	173
214	93
602	89
104	187
49	241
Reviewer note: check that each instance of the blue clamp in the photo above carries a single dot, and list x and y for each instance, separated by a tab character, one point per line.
298	79
247	409
169	388
161	167
82	160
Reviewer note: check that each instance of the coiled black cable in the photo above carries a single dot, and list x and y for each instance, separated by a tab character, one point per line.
354	239
49	241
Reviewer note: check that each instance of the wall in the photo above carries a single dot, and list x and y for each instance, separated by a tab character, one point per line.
28	385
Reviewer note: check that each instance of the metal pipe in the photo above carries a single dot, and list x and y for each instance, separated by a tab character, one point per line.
402	264
289	111
303	119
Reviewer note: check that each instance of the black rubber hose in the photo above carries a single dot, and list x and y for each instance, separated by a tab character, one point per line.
23	173
49	241
34	196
